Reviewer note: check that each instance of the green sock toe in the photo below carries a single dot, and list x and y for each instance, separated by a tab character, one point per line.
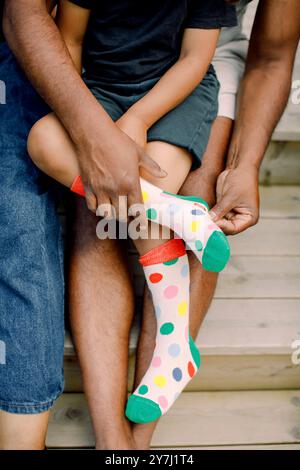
195	352
216	253
142	410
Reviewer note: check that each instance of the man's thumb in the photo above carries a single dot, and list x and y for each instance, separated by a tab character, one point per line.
149	165
220	209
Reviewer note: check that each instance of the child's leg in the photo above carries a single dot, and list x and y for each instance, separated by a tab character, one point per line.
53	152
175	358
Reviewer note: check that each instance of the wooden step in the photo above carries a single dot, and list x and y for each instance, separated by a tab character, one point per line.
246	339
208	419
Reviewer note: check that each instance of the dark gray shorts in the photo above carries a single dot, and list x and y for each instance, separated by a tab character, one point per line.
187	126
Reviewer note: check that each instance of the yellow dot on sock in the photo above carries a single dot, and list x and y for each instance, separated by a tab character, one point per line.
145	196
194	227
182	308
160	381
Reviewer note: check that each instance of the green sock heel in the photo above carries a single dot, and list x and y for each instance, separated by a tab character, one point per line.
142	410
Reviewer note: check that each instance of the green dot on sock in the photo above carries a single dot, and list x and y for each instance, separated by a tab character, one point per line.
151	214
172	261
143	390
198	245
166	328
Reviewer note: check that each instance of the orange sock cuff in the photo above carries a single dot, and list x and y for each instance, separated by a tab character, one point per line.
170	250
77	186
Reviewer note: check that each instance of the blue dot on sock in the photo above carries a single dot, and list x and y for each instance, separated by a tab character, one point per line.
177	374
185	270
174	350
197	212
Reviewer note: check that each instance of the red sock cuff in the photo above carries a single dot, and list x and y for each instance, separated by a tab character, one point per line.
161	254
77	186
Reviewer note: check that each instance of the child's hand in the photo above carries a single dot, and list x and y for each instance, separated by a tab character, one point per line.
134	127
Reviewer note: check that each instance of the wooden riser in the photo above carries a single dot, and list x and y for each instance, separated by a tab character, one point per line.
220	373
208	419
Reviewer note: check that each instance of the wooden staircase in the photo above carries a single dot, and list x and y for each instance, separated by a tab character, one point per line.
247	394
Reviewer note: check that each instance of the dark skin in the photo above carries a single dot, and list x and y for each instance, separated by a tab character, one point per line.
33	37
263	95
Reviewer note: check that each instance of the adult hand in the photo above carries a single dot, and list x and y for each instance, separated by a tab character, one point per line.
201	183
110	167
237	206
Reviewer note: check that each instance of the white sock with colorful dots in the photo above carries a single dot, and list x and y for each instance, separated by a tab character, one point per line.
176	357
189	218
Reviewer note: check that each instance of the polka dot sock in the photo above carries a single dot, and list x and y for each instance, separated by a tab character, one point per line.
189	218
176	357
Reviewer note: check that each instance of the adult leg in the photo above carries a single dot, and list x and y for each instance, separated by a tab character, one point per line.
23	432
101	310
31	274
203	283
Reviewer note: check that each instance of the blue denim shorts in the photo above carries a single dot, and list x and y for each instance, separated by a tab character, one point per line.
187	126
31	258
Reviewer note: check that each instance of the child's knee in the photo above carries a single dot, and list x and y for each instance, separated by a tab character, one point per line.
42	147
36	143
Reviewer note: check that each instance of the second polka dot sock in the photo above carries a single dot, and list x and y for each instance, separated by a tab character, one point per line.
176	357
189	218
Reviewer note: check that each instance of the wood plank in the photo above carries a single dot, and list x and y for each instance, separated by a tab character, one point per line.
280	201
260	277
250	326
256	417
281	164
220	372
281	237
240	326
252	277
244	344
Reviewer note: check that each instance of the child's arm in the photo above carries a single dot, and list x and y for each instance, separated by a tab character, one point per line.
72	21
198	47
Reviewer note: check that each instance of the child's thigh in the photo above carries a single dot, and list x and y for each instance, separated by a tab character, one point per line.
175	160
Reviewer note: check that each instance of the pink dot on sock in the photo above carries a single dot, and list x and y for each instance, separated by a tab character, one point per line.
170	292
163	401
156	362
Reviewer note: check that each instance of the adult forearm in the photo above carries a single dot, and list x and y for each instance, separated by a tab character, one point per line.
36	42
262	99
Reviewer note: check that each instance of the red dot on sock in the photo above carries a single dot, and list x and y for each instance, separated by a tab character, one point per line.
191	369
155	278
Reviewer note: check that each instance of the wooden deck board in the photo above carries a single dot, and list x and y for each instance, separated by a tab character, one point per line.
208	419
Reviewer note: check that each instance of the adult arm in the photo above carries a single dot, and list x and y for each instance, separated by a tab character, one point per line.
108	158
262	99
